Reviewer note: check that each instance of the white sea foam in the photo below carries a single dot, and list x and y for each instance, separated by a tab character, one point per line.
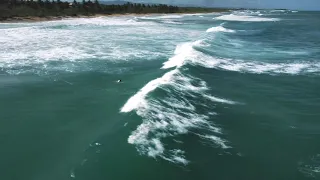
177	157
294	52
171	115
138	100
220	29
220	100
161	121
162	17
186	54
57	46
311	167
216	140
233	17
172	22
171	16
182	52
97	21
278	10
179	104
63	53
72	174
259	67
262	67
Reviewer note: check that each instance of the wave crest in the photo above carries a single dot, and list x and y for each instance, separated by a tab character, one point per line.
173	114
220	29
187	54
258	67
232	17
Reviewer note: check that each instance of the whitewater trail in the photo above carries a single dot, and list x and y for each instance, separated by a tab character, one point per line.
187	53
257	67
162	117
233	17
172	115
220	29
66	45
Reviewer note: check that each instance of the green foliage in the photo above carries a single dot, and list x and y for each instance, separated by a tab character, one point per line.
43	8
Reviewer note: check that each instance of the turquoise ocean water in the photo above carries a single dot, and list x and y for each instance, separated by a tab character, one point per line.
225	96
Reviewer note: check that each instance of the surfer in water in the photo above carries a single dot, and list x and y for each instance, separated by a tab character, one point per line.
119	81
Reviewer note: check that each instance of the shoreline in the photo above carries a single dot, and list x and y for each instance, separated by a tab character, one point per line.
34	19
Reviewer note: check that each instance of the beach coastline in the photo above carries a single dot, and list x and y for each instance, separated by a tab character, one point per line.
35	11
30	19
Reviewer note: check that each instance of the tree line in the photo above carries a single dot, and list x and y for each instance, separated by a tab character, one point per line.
42	8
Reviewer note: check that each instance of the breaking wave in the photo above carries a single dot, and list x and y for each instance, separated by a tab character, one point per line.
233	17
173	115
187	53
220	29
162	17
97	21
260	67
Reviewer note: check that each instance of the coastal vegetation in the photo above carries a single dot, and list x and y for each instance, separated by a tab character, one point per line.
56	8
